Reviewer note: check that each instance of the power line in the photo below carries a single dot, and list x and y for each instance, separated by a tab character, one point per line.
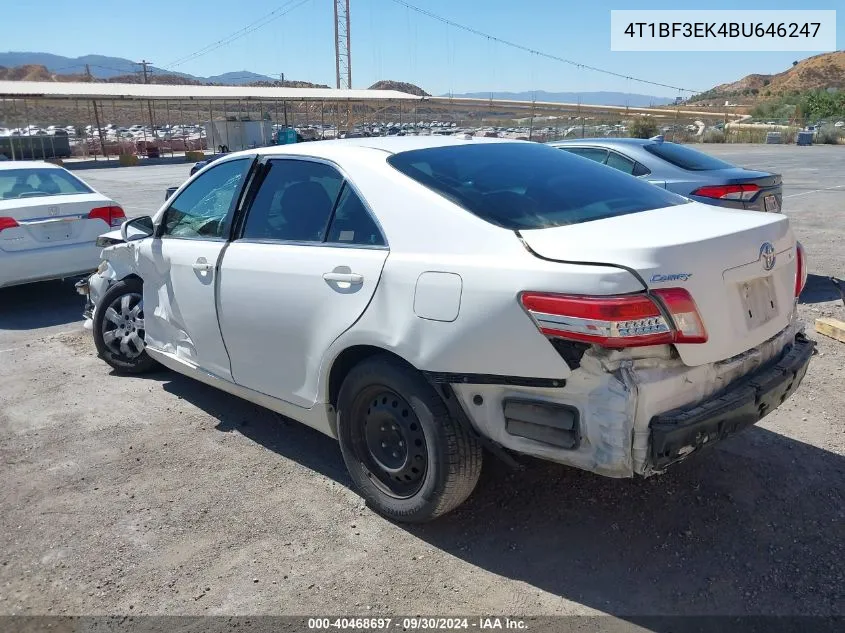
527	49
81	67
275	14
122	71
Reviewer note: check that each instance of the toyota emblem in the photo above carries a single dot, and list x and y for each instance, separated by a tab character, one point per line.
767	254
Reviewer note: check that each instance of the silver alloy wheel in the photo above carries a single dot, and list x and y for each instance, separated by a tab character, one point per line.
123	325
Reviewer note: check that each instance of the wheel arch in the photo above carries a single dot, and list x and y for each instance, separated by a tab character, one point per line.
117	277
121	262
343	364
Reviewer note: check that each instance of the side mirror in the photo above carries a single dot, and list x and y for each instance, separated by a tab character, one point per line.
170	191
137	228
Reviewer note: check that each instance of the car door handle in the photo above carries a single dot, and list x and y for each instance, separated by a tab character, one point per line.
202	265
350	278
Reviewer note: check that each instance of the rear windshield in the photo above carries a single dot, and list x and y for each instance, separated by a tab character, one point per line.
686	157
529	185
34	183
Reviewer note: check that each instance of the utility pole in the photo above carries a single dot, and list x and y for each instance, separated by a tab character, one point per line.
88	76
580	116
100	131
143	64
343	52
342	45
531	125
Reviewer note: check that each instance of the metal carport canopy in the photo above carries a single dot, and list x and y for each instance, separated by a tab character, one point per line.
144	92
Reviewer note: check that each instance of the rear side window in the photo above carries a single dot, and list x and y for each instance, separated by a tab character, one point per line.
352	223
686	157
593	153
640	170
294	202
36	183
622	163
529	185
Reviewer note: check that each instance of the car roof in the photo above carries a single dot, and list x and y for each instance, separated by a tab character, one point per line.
387	144
26	164
606	141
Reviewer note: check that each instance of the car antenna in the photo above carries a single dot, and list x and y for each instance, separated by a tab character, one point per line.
657	139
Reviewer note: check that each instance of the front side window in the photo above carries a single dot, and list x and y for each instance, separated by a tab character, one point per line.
294	202
529	185
203	210
35	183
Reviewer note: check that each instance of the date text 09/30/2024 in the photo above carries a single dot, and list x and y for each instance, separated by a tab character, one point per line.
415	623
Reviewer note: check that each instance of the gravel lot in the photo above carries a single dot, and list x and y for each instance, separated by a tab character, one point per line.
159	495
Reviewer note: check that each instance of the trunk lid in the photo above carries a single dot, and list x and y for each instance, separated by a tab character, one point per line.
718	255
738	175
52	220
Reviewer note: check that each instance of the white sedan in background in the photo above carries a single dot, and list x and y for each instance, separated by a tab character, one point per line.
49	223
425	298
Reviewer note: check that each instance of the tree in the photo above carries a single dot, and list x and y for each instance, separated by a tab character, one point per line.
642	127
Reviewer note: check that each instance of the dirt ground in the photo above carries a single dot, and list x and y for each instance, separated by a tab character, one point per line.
159	495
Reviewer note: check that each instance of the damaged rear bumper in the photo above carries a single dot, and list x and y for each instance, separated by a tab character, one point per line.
634	412
677	433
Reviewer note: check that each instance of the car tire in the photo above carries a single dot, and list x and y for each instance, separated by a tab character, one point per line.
116	328
409	458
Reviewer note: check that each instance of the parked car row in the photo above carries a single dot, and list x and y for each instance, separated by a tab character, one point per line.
432	301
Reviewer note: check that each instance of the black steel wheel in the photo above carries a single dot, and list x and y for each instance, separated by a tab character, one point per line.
389	441
410	459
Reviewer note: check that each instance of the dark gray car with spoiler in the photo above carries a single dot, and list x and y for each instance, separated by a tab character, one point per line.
684	170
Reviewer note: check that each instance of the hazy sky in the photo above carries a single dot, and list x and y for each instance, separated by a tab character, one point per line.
389	41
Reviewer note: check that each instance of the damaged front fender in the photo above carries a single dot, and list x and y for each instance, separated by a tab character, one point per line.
118	263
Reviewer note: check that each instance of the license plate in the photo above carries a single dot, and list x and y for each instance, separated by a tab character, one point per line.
57	231
771	204
759	301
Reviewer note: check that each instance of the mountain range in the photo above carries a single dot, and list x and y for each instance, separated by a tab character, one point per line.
104	67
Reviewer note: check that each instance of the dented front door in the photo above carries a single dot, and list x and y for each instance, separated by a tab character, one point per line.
180	267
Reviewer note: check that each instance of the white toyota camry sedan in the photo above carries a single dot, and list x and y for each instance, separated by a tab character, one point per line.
430	300
49	223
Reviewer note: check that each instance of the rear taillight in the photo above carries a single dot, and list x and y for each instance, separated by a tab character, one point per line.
8	223
113	215
620	321
689	328
800	269
727	192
